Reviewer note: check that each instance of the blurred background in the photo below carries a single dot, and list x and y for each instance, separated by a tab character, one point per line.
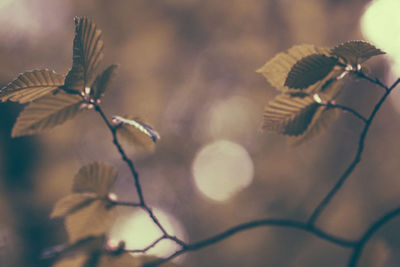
188	68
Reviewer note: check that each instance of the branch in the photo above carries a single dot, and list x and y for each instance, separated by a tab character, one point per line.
135	175
357	158
155	242
253	224
357	251
344	108
371	80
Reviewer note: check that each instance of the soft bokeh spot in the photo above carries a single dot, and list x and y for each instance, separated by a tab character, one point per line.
222	169
381	25
138	231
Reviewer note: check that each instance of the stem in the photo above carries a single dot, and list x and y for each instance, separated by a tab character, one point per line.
357	158
146	248
253	224
344	108
357	251
129	162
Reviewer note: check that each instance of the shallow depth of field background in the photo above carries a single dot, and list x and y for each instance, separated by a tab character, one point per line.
188	68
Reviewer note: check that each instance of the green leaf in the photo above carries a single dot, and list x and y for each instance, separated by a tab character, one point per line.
277	69
46	112
309	70
92	220
71	203
101	83
323	117
136	132
289	115
356	52
97	178
87	54
31	85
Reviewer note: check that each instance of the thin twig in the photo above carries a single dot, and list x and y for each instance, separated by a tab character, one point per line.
344	108
371	80
251	225
357	251
321	206
135	175
124	203
144	250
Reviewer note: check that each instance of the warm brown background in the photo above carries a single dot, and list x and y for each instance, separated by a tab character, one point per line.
178	58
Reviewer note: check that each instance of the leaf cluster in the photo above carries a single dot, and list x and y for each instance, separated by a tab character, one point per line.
309	78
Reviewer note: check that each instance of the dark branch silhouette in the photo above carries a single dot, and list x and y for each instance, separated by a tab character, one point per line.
347	109
135	175
357	251
321	206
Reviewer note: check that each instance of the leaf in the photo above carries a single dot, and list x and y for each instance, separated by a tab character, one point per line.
289	115
92	220
97	178
71	203
31	85
46	112
309	70
87	54
277	69
321	120
356	52
101	83
136	132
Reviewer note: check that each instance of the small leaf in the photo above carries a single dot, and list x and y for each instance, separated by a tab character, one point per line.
46	112
92	220
356	52
309	70
71	203
136	132
101	83
321	120
289	115
31	85
87	54
277	69
97	178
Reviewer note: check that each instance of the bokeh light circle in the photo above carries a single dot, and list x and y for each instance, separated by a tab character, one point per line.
221	169
138	231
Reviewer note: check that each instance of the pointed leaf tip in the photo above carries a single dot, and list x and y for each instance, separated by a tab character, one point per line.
102	81
309	70
289	115
87	54
46	112
31	85
135	131
356	52
95	178
277	69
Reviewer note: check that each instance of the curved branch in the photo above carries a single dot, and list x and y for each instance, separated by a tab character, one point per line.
345	108
357	252
135	175
253	224
357	158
